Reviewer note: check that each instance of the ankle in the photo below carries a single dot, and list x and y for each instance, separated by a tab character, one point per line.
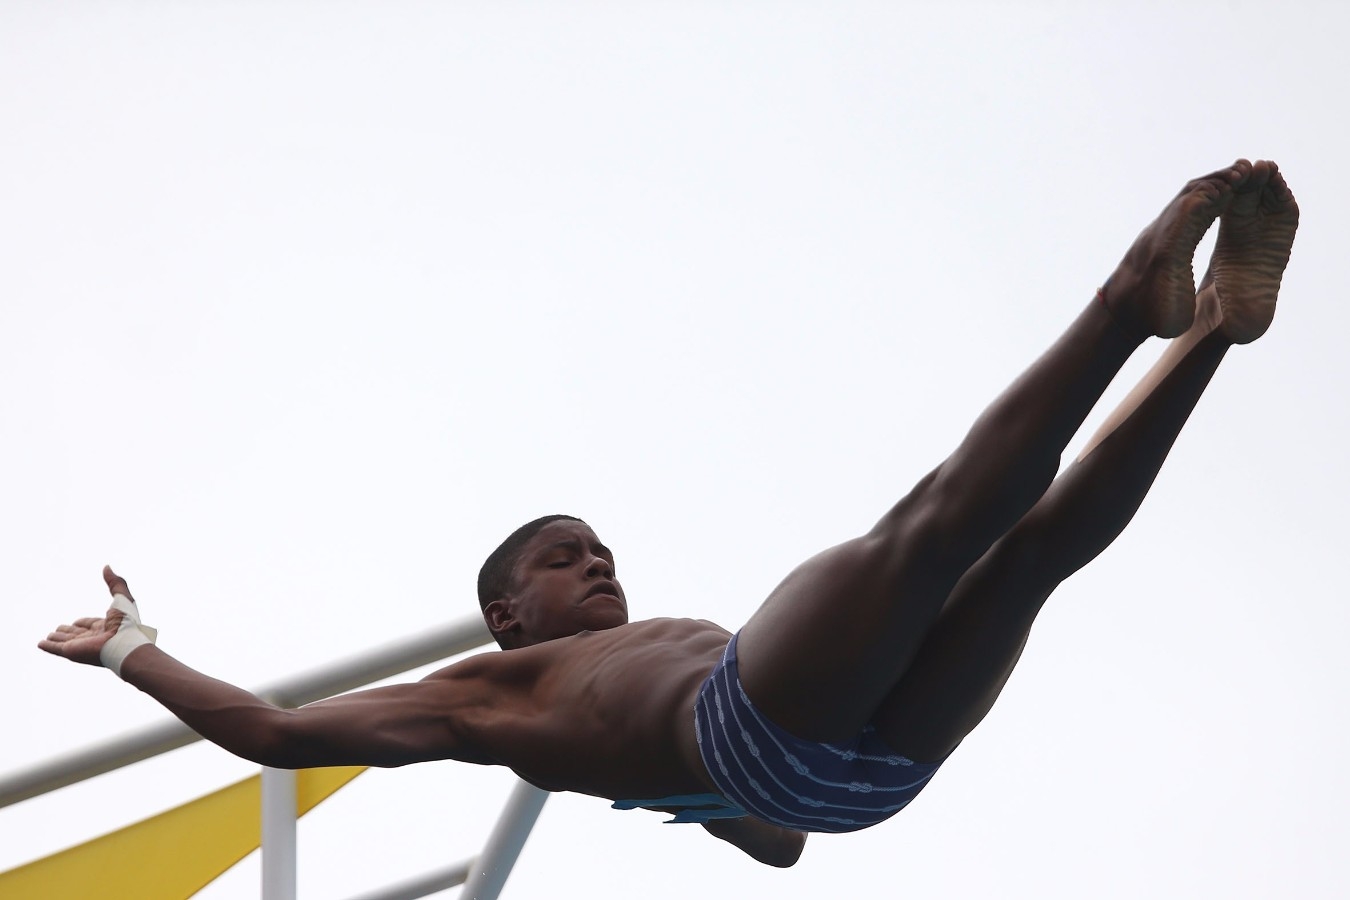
1127	325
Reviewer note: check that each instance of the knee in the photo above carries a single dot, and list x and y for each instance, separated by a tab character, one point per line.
1027	558
926	525
981	496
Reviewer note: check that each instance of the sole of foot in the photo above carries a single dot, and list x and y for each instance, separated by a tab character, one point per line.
1152	291
1256	235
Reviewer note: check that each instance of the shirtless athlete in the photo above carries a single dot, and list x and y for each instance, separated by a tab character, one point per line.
869	664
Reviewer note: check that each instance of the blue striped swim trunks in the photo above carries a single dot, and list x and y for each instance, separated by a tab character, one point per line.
803	785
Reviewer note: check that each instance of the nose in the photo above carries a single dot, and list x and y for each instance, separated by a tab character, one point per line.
599	568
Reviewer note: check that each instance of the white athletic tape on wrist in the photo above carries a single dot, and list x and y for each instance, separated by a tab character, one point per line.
130	635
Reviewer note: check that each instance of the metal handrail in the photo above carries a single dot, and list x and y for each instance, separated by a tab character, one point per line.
422	885
483	876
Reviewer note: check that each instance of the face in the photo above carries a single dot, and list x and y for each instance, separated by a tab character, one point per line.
563	584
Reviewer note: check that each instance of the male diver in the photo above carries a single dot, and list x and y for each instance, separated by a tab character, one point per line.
868	665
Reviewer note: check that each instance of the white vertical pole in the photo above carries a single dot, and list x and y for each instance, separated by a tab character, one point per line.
278	834
489	871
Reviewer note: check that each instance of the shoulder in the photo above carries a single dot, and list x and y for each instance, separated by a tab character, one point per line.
505	669
490	665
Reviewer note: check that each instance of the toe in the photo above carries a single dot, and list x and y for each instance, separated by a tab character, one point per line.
1219	180
1261	172
1280	189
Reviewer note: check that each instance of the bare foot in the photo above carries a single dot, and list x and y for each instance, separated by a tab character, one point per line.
1152	291
1255	237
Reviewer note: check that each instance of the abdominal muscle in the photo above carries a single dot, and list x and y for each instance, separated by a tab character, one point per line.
608	713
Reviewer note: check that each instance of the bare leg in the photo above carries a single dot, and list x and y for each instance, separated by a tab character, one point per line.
968	655
833	640
971	649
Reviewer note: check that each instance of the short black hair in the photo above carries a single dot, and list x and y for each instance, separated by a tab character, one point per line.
494	579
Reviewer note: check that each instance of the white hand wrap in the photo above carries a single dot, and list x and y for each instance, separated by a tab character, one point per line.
130	635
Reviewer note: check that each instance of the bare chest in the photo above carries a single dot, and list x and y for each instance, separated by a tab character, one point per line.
611	713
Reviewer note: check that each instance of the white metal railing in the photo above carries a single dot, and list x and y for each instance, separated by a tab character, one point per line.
277	808
483	876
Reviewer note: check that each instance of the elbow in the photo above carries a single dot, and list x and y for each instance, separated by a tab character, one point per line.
786	852
771	845
273	741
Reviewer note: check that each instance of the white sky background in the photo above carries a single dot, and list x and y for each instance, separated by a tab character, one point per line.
305	306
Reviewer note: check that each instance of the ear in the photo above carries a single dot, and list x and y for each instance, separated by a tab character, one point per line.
499	617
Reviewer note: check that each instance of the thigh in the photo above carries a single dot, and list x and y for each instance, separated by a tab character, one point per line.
966	657
832	640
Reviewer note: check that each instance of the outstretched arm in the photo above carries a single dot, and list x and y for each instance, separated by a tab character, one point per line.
389	726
